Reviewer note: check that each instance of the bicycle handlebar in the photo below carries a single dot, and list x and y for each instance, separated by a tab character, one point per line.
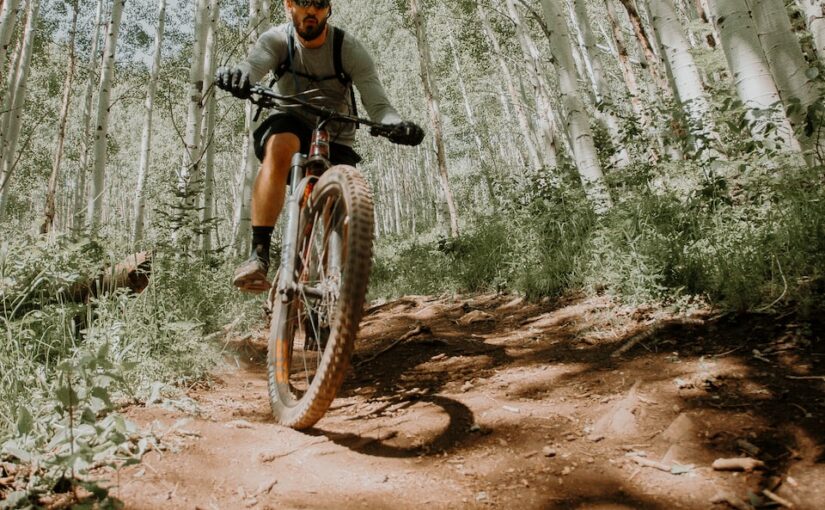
265	97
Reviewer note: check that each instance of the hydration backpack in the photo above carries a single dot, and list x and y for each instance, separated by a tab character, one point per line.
340	74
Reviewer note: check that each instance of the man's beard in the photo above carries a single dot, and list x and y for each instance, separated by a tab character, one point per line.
309	34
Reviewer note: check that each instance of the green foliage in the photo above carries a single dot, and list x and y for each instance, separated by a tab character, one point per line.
743	241
65	366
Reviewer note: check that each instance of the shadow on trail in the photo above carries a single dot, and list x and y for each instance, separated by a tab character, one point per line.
460	420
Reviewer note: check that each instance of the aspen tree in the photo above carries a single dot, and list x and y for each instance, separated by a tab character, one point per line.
431	93
211	61
575	116
194	115
787	63
95	204
749	68
545	115
644	39
86	116
242	217
15	113
8	18
507	76
49	213
601	89
685	75
471	117
814	11
146	138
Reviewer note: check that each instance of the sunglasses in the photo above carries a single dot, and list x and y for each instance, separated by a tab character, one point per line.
318	4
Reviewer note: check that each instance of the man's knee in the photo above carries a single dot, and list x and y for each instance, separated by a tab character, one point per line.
281	147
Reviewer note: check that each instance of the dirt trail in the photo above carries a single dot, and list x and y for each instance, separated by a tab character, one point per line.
498	403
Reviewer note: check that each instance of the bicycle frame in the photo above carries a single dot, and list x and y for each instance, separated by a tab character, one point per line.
303	173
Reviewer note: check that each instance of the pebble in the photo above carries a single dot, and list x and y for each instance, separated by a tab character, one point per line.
548	451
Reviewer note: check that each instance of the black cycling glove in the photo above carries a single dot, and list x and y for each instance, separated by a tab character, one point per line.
406	133
234	80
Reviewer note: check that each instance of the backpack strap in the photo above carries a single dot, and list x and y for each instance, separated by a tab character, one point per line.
337	62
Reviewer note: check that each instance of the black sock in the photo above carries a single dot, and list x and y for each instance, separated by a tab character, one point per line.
261	240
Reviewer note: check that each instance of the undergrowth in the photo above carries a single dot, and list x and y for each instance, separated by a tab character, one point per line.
66	367
741	238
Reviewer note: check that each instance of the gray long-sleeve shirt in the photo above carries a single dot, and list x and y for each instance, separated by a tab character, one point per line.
272	48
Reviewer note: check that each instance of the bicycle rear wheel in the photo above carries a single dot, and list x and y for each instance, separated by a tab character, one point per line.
312	334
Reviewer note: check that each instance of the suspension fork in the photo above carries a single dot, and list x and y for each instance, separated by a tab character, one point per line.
286	285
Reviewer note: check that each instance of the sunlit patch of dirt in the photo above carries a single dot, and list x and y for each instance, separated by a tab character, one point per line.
489	401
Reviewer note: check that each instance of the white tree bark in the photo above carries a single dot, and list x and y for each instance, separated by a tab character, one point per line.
787	63
94	209
8	18
242	219
545	114
750	70
815	18
9	156
194	115
146	138
601	89
576	118
431	93
521	115
86	122
686	79
211	61
49	213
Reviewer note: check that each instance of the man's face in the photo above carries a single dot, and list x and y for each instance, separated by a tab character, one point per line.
309	20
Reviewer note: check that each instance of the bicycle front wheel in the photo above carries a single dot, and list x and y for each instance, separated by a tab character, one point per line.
313	331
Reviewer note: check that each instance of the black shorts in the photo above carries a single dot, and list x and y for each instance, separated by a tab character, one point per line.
284	123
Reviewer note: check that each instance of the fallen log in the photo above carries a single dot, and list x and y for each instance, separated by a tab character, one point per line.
132	273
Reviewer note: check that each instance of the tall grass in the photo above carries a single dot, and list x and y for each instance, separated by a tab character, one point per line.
744	243
155	336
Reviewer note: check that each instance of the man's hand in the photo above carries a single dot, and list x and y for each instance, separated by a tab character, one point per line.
406	133
234	80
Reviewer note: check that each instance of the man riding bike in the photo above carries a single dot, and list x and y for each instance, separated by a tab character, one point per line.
307	54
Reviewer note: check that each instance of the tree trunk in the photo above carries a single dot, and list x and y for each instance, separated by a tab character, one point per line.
9	156
576	119
210	64
521	116
242	217
82	169
191	152
545	115
8	18
647	46
686	79
61	130
815	18
628	73
750	70
787	64
431	93
146	138
471	120
601	89
94	209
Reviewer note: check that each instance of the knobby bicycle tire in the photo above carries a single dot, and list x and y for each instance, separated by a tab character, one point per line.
290	337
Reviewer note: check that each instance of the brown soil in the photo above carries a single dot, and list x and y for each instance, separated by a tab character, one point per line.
499	403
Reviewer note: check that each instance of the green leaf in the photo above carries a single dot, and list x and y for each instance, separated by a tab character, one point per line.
811	73
25	422
66	396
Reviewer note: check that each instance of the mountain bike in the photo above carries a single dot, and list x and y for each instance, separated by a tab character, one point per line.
317	297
